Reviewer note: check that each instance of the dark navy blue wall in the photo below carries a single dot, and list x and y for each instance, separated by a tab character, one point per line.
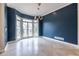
11	22
63	23
40	27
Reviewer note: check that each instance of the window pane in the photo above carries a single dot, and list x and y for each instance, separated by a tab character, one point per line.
18	18
29	29
24	29
18	34
24	25
27	20
35	29
18	30
35	20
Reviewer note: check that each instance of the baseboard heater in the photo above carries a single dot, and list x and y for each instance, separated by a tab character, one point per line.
59	38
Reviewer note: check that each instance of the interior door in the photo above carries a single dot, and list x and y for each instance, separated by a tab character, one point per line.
35	28
18	28
25	28
30	29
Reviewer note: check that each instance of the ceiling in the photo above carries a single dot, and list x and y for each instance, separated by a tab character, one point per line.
31	8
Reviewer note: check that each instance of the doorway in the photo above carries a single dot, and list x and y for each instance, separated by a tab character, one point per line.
26	28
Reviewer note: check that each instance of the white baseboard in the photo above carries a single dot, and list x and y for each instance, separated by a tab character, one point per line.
3	49
66	43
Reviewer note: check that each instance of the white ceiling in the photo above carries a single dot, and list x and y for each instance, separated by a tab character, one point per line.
31	8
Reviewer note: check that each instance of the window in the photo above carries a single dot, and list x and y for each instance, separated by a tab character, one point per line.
26	28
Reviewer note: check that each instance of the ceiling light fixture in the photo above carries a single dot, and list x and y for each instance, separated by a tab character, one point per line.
38	17
38	6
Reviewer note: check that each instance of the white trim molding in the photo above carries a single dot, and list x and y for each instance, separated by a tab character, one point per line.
65	43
